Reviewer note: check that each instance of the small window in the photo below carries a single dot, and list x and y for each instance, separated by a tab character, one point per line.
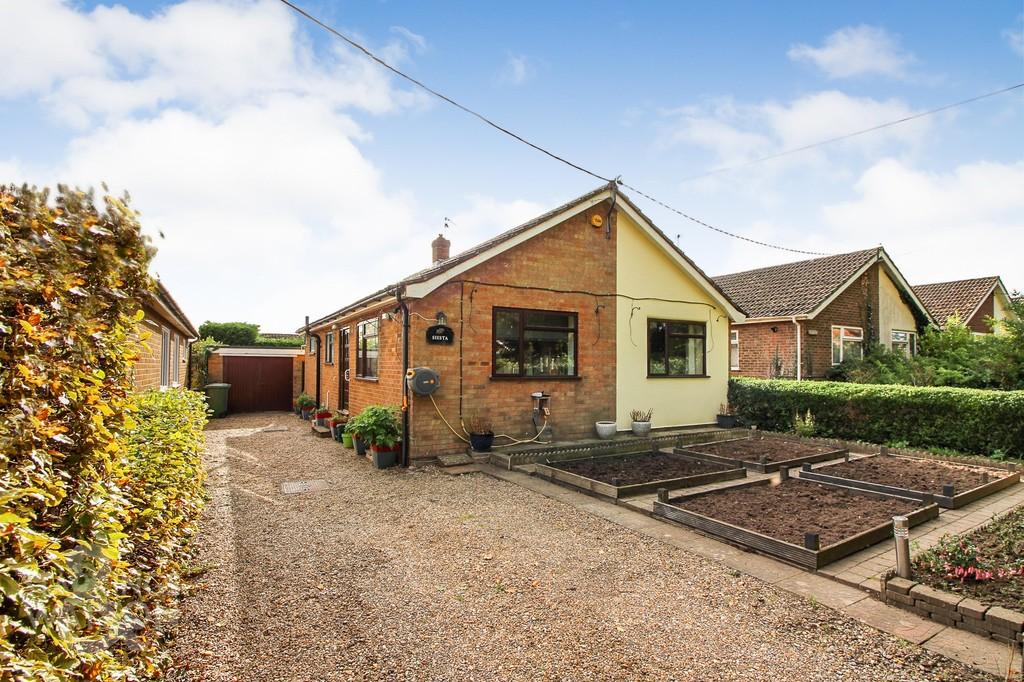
165	357
329	348
534	343
367	348
847	344
311	349
177	359
675	348
734	349
904	342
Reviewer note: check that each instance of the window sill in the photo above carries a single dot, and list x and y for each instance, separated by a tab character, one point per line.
678	376
372	379
328	363
534	378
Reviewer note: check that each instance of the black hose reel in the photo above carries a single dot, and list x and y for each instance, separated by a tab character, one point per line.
422	380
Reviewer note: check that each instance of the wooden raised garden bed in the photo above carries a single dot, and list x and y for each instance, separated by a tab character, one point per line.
916	478
625	475
804	523
763	455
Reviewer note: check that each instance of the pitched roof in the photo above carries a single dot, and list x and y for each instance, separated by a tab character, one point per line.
962	297
172	310
793	288
508	236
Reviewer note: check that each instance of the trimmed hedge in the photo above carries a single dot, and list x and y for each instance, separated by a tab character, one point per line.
964	419
95	500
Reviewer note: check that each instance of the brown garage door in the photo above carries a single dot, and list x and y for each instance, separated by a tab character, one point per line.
258	384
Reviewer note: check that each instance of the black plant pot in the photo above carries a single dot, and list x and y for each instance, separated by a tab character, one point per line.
727	421
360	445
481	442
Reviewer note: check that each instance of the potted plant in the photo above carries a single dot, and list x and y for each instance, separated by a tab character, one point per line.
321	415
380	425
641	422
481	434
306	405
352	433
726	416
337	424
605	429
295	407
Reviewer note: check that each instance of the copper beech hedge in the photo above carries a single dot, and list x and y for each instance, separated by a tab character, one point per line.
968	420
100	488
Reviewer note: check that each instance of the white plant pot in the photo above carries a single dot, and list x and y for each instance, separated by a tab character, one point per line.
605	430
642	429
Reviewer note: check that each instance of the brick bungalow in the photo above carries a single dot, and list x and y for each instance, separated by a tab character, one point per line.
972	300
807	316
589	303
163	359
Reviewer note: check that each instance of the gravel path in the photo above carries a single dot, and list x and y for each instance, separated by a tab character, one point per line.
423	576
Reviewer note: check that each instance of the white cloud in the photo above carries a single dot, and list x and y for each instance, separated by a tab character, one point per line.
518	69
1015	36
483	217
736	132
418	42
204	54
938	226
856	51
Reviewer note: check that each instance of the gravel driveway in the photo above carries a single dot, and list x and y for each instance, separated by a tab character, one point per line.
418	575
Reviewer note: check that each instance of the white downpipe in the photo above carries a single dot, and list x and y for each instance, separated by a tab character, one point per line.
799	354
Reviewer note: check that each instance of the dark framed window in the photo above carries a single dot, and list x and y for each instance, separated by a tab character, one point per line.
534	343
675	348
367	348
329	348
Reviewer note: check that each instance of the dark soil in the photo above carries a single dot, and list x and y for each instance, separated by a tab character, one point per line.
912	474
753	449
792	508
1000	545
642	468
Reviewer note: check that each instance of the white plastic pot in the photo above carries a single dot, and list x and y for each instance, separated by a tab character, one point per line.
642	429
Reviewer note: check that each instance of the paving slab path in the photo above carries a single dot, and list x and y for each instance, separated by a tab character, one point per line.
419	575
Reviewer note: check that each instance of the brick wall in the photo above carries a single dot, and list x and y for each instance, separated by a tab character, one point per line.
146	372
955	610
856	306
570	256
987	309
759	346
215	369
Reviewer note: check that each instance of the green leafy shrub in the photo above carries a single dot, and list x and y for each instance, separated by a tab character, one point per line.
279	342
380	425
966	420
74	563
230	333
200	365
804	426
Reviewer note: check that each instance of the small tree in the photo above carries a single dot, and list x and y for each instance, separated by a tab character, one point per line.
230	333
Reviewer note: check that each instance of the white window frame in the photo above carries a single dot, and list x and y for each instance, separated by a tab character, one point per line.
859	337
329	348
311	345
734	342
165	356
911	340
177	361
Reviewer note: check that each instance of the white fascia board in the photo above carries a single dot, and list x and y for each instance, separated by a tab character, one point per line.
734	314
257	352
421	289
777	318
894	273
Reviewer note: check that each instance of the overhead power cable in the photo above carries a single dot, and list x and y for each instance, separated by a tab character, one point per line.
500	128
846	136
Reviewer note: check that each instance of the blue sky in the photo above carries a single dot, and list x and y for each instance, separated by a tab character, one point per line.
298	176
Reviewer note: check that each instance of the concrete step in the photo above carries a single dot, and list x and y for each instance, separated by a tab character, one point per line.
321	431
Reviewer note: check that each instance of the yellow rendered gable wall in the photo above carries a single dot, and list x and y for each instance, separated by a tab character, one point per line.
893	313
1000	309
645	270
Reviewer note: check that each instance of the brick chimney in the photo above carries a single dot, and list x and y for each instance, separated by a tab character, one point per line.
440	248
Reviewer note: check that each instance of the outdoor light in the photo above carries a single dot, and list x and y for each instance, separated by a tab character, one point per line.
442	319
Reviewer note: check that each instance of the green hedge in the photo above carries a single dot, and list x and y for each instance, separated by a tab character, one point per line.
98	489
964	419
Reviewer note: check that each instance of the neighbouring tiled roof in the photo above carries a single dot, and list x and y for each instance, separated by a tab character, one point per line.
959	297
444	266
793	288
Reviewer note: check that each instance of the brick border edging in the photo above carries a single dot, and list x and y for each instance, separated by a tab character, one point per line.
954	610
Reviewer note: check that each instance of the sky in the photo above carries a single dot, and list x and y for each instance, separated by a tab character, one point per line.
281	174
